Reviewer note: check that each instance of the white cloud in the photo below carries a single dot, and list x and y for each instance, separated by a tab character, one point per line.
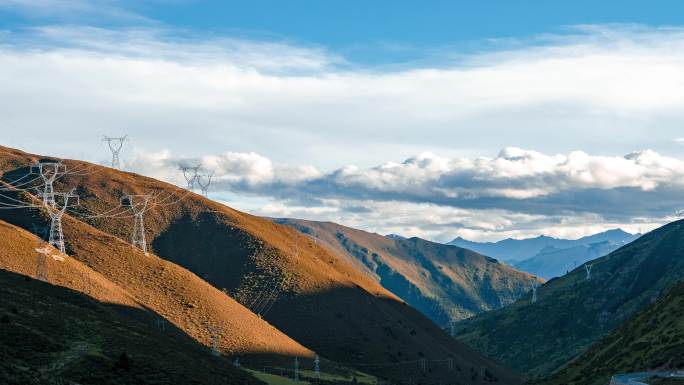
264	108
516	193
594	90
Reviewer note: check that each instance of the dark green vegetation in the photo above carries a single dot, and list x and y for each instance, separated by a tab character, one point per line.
652	340
572	312
443	282
54	335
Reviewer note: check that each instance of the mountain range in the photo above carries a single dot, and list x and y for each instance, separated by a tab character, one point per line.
549	257
249	288
514	250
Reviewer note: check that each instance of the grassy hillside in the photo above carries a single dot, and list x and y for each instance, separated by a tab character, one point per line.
443	282
572	312
309	293
652	340
52	333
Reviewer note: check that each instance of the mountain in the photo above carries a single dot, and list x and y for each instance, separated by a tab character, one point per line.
552	262
653	340
573	312
54	333
208	261
514	250
443	282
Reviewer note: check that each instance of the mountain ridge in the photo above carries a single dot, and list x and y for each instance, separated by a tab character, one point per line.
515	250
442	281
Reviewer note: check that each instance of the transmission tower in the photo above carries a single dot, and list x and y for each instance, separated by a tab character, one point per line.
204	186
534	292
296	369
161	324
86	282
452	327
190	175
450	363
42	253
423	364
48	171
115	145
56	236
138	204
317	366
215	338
588	267
41	263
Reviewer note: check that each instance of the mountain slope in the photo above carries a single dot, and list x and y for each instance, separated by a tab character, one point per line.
573	312
552	262
652	340
443	282
302	289
513	250
51	333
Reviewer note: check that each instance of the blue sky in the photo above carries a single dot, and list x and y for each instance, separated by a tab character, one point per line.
368	32
438	119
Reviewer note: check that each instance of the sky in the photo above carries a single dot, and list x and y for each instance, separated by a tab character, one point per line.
438	119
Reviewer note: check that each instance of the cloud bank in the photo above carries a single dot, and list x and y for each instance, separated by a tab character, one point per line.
291	114
517	192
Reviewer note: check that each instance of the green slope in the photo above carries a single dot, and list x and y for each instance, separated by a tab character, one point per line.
652	340
572	312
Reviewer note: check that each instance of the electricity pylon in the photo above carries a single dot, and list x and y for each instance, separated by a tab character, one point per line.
138	204
56	236
41	253
452	327
214	340
190	175
535	286
588	267
204	186
317	366
48	171
115	145
296	369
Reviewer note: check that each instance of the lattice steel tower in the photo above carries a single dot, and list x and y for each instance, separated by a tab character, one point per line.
49	172
56	235
42	253
190	175
115	145
139	205
534	292
204	186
